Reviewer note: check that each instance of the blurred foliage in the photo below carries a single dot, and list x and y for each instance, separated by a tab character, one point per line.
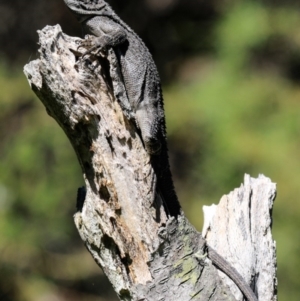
231	109
166	26
241	112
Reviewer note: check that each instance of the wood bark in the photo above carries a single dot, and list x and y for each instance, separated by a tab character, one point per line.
145	254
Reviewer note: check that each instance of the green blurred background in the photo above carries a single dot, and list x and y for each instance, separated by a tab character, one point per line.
231	80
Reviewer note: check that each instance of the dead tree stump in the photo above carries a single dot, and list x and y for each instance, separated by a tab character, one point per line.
145	254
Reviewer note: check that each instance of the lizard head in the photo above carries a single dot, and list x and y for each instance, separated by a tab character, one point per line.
86	7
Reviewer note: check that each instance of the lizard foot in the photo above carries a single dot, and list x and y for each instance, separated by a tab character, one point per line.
91	44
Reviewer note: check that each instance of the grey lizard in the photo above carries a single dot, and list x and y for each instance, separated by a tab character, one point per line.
137	87
136	84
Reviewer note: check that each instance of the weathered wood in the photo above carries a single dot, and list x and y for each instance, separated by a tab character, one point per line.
145	254
239	228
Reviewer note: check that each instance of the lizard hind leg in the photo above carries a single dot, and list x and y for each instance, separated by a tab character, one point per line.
149	127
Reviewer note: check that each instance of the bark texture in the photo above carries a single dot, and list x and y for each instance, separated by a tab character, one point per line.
145	254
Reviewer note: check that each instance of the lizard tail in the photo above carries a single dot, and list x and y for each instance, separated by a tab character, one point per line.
232	273
165	184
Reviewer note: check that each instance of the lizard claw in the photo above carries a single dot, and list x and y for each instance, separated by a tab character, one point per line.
90	45
91	50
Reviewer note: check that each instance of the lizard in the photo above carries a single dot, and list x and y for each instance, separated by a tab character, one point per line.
142	101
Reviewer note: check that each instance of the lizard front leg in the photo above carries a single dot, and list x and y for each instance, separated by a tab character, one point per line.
102	43
105	36
104	33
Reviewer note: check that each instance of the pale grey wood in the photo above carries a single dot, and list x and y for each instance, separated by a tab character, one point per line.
145	254
239	229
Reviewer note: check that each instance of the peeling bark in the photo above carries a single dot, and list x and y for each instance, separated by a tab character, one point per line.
145	254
